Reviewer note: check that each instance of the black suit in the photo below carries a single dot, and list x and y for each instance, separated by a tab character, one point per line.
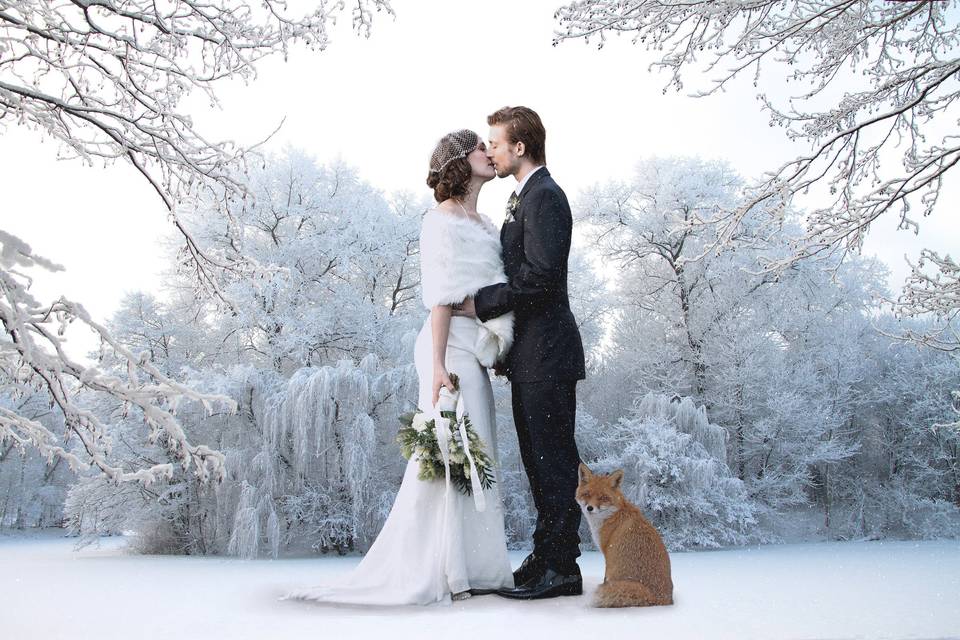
545	361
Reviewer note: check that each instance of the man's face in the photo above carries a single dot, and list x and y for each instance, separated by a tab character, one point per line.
502	152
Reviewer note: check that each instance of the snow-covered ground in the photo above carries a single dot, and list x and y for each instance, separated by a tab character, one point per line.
823	590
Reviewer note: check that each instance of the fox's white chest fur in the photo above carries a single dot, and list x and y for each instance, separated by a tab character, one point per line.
595	519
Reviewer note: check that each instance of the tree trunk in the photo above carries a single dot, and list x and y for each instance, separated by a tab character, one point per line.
741	455
696	348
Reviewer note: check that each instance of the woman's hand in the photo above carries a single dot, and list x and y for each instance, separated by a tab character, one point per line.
440	379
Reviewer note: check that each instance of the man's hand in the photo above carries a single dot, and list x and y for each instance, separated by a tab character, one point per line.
466	308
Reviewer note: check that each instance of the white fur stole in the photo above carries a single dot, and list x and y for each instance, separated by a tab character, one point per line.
457	258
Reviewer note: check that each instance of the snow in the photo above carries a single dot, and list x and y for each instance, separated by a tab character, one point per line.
821	590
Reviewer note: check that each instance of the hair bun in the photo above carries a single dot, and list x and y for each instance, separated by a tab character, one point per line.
450	171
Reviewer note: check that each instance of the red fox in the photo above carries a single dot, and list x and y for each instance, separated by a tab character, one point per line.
638	566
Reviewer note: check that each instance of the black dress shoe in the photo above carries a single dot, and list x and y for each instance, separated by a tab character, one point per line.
532	567
550	585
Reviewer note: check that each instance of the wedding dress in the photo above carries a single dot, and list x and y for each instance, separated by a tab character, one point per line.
436	542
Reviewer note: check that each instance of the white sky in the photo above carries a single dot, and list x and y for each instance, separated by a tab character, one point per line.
380	104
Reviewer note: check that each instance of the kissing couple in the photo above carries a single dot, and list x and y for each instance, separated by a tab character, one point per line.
497	299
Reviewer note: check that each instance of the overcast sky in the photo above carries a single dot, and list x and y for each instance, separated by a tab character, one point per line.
380	104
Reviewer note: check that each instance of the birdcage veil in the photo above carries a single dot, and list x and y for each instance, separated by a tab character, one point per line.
453	146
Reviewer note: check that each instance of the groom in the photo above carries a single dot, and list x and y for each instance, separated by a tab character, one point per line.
546	359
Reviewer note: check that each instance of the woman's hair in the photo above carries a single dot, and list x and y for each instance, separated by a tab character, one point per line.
450	171
522	124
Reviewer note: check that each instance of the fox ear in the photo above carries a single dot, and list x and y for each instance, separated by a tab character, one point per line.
585	473
616	477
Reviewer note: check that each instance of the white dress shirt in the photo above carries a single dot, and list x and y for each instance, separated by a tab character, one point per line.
522	183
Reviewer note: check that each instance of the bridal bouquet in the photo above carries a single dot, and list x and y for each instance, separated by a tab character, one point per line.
460	444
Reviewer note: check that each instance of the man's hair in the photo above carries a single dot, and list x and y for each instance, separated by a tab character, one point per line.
522	124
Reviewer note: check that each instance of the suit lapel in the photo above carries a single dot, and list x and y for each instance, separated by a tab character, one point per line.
534	179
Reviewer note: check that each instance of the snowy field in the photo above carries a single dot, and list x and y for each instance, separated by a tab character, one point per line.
824	590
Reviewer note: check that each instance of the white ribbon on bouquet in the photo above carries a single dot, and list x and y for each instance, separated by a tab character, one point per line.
453	401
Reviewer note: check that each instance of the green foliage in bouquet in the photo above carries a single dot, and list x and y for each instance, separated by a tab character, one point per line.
419	437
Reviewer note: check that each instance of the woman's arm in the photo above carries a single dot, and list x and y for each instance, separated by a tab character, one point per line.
440	330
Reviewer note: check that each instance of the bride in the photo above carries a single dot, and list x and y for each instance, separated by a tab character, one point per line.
437	543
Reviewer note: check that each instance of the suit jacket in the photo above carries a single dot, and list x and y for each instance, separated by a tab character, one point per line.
536	245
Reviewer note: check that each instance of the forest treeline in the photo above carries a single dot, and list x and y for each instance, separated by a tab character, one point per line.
745	405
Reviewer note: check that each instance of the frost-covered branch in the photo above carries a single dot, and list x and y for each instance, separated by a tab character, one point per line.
105	78
937	293
895	64
32	358
932	290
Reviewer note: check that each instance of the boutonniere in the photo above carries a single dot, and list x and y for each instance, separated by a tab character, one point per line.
512	205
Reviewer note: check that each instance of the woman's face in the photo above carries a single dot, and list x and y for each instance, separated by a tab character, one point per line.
481	166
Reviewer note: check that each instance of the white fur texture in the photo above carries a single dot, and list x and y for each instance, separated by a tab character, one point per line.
596	518
457	258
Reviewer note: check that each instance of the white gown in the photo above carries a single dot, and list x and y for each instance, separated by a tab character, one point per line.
435	543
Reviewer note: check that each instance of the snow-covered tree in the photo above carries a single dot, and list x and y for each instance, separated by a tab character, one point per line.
165	514
338	263
675	470
31	490
932	293
310	461
905	478
317	358
776	360
652	227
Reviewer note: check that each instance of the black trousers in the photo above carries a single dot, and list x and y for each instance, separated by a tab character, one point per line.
545	415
